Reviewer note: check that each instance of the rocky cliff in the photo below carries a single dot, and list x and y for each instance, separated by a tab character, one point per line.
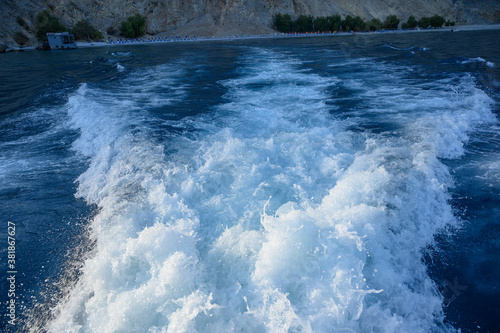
228	17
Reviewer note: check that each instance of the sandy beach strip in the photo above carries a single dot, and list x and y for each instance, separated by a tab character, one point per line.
177	39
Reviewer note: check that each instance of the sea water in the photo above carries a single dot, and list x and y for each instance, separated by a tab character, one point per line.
340	184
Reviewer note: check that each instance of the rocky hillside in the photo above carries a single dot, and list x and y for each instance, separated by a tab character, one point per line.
228	17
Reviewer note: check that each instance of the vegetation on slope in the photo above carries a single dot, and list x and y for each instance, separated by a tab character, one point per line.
84	30
46	22
134	26
284	23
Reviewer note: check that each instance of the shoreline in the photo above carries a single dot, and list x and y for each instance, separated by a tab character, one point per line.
166	40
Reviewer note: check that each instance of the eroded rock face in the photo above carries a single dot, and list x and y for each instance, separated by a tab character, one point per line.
230	17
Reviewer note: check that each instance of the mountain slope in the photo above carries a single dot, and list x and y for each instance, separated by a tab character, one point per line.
230	17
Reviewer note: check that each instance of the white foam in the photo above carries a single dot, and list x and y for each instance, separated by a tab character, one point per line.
276	217
406	48
479	60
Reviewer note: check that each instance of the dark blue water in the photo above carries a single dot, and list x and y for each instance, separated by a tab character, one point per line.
320	184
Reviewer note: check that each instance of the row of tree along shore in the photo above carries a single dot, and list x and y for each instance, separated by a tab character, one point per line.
46	22
134	26
284	23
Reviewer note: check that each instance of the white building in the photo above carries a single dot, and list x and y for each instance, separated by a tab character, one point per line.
61	40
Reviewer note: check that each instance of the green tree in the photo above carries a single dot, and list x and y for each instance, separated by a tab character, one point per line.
334	22
449	23
321	24
134	26
304	23
358	24
437	21
411	23
127	29
424	22
46	22
282	23
85	30
391	22
277	21
374	24
139	24
348	23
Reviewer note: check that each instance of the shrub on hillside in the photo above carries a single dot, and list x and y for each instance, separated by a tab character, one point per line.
134	26
46	22
85	30
21	22
20	38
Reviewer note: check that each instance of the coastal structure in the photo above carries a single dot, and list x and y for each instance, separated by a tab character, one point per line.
61	40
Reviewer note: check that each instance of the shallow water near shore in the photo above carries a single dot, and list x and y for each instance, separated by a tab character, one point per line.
344	184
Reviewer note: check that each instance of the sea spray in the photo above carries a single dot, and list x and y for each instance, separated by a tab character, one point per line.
274	213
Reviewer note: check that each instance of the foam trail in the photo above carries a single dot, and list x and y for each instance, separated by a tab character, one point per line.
277	217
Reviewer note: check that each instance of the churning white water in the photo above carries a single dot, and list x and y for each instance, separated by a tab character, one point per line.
274	211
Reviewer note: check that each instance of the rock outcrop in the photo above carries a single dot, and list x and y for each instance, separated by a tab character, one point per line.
228	17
